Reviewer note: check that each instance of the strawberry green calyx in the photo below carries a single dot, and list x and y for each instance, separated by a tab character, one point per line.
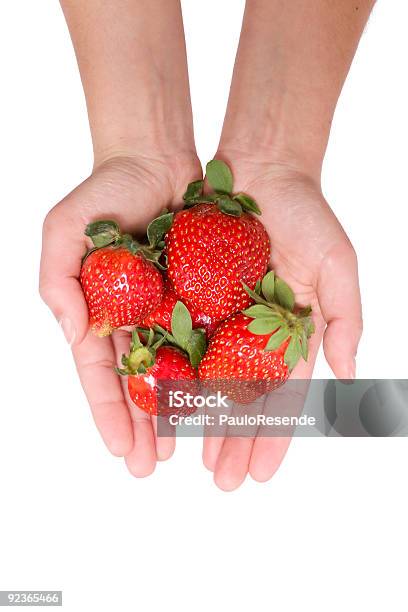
274	313
103	233
183	336
142	355
107	233
194	192
219	177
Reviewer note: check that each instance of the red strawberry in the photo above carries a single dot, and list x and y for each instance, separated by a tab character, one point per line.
254	352
203	320
162	315
169	364
150	364
119	279
216	246
120	288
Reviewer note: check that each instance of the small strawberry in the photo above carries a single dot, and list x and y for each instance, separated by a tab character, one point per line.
162	359
162	315
120	280
254	352
169	364
215	246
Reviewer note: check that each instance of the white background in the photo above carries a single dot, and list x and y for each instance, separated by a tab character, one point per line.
329	531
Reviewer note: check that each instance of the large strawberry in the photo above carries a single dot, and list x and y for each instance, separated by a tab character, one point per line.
254	352
162	314
166	360
216	245
119	277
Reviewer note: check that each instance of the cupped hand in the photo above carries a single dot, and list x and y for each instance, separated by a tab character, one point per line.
131	190
312	253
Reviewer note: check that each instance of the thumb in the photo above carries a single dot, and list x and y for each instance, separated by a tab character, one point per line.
59	285
340	302
65	299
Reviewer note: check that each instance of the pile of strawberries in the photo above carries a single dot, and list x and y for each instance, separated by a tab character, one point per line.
199	296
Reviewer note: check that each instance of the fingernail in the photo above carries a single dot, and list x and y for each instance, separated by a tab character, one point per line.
68	329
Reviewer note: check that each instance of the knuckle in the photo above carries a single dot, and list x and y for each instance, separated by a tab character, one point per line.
51	220
46	292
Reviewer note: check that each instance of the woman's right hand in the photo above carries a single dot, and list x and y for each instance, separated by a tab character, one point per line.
131	190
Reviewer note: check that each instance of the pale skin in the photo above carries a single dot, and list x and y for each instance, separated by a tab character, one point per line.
292	61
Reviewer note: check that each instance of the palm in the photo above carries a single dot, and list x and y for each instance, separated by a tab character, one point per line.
131	191
311	252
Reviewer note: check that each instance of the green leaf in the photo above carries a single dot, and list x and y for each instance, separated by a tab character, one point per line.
304	348
247	203
308	326
257	298
150	337
229	207
131	244
204	199
268	286
136	343
121	371
209	197
264	326
196	347
305	312
277	339
160	330
259	310
258	287
284	294
151	255
103	233
293	352
181	325
158	341
194	190
219	176
158	228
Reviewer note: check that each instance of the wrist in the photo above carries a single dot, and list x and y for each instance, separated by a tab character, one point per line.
270	142
133	67
266	166
154	168
259	159
158	149
291	63
150	138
